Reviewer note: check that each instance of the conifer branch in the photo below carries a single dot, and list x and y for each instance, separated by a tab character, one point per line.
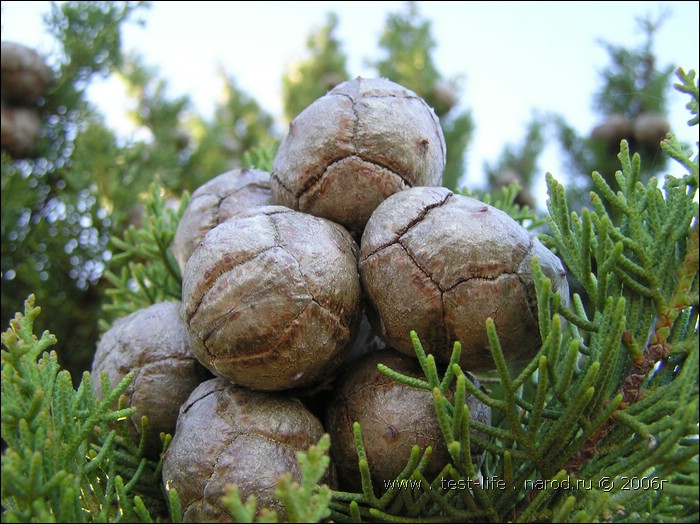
689	86
61	459
151	273
304	502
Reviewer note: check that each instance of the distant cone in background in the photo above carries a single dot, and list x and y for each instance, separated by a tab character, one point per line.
20	131
443	96
649	129
643	133
25	79
616	128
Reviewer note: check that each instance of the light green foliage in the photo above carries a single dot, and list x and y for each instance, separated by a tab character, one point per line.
150	273
67	459
246	511
408	43
260	157
693	106
311	78
308	501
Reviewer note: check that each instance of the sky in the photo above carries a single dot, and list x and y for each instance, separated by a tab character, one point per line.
514	59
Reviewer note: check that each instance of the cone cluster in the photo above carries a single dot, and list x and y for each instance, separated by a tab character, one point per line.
298	282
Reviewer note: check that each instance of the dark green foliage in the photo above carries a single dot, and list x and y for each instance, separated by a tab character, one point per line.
55	224
153	111
185	150
633	84
90	36
60	209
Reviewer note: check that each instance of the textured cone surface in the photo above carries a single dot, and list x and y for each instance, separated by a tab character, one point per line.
393	416
227	434
441	264
215	202
153	343
352	148
271	298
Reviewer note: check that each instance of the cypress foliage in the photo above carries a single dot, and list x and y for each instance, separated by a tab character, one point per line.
601	425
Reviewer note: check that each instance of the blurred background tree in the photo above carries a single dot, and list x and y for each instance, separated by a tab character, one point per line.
632	106
518	164
238	126
83	184
312	77
55	226
408	43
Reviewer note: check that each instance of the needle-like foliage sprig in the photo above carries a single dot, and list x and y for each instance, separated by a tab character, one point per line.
149	272
67	457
